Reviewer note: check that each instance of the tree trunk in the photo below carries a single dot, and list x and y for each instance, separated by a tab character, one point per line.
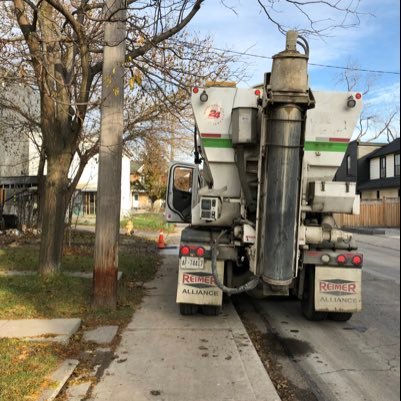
55	205
41	189
110	158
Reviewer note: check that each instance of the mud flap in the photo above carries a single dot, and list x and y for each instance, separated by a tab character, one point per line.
338	289
198	287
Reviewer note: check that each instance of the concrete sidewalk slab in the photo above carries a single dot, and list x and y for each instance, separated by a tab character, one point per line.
77	392
169	251
58	379
58	330
101	335
168	357
8	273
88	275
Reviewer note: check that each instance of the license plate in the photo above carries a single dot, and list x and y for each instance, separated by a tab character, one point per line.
190	263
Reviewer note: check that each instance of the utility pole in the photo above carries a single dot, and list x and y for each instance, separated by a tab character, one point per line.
104	293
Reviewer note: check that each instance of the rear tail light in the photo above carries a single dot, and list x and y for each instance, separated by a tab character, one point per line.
341	260
185	251
357	260
200	252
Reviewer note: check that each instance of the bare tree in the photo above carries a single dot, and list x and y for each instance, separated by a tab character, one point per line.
313	17
60	54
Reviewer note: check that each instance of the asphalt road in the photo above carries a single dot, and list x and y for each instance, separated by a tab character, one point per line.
358	360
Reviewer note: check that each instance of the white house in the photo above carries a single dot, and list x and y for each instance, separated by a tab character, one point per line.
15	148
88	186
19	155
20	158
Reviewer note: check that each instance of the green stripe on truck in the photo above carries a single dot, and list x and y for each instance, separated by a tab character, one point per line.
326	146
217	143
309	146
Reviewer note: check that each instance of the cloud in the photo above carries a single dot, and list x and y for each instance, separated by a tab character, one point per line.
384	96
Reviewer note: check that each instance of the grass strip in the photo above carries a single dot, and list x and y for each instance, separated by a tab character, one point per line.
24	367
148	222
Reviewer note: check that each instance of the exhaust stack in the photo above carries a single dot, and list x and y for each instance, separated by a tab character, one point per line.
286	99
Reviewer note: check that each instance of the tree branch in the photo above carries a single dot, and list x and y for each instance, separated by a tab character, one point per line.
153	42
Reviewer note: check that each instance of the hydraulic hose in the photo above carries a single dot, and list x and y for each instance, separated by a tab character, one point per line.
229	291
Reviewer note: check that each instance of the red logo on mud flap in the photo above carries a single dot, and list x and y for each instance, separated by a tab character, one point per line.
199	280
338	287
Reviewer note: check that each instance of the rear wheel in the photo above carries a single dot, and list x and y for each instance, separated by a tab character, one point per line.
308	298
257	293
340	316
209	310
188	309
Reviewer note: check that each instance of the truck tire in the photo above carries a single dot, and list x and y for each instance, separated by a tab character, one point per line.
209	310
257	293
308	298
188	309
226	298
340	316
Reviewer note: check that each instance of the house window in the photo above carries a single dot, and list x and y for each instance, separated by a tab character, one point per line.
349	165
397	165
90	203
383	167
378	195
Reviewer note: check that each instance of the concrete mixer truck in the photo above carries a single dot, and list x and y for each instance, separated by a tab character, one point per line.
260	198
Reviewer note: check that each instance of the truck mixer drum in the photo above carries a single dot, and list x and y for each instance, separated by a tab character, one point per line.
288	99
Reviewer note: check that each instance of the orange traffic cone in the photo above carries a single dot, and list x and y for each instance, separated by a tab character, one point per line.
161	244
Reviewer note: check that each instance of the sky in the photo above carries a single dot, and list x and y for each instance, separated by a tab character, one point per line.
373	45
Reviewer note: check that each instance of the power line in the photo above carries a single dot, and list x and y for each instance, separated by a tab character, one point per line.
238	53
355	69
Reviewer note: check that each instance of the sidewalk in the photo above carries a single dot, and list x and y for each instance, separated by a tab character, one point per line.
58	330
164	356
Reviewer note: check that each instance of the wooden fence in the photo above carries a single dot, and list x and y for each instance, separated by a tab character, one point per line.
377	213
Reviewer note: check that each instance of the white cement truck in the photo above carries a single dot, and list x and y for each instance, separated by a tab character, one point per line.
260	198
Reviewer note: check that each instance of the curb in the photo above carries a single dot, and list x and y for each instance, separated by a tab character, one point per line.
253	365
